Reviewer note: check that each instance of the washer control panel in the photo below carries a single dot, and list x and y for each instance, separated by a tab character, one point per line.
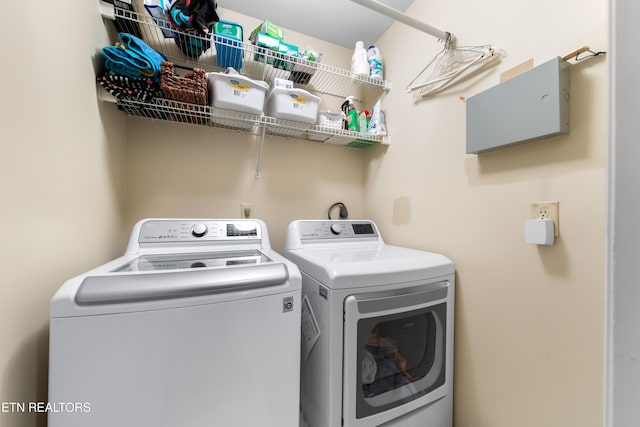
167	231
310	230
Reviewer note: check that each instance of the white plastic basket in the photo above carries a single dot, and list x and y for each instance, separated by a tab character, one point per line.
233	91
327	124
327	119
292	104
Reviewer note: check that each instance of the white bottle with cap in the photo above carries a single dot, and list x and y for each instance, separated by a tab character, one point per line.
359	61
375	62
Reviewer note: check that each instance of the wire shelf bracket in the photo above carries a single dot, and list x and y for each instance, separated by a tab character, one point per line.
107	10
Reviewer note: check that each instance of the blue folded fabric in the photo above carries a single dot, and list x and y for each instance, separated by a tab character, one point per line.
132	57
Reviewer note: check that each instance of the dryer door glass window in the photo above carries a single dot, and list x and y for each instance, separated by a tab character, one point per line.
402	357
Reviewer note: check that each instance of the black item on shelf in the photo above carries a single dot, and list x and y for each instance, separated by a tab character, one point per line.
196	15
192	46
303	72
123	87
300	77
196	19
125	25
160	18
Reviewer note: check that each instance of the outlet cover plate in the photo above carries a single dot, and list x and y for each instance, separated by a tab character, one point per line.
551	210
246	210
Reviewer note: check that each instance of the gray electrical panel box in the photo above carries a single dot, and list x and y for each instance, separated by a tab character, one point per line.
529	106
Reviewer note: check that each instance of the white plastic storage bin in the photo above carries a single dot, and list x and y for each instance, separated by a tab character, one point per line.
233	91
327	119
328	123
292	104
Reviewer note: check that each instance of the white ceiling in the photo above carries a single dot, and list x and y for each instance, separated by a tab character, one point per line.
341	22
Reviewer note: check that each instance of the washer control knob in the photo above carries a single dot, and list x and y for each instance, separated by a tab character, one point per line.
199	230
336	228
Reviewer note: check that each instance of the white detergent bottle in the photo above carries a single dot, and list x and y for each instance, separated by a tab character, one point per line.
359	62
375	62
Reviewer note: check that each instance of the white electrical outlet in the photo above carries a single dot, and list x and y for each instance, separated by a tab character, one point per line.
550	210
246	210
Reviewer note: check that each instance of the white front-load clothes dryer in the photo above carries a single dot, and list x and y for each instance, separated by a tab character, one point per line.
198	324
377	328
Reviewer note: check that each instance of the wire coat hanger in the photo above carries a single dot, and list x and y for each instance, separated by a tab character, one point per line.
452	62
450	65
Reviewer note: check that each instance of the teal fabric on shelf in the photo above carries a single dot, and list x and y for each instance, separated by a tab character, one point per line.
132	57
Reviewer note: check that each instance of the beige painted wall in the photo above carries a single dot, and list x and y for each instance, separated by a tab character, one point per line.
62	181
186	171
77	174
190	171
529	331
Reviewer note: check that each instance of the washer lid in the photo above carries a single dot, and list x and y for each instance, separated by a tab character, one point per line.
369	265
161	281
160	262
118	288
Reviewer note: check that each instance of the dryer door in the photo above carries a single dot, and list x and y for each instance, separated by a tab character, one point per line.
395	353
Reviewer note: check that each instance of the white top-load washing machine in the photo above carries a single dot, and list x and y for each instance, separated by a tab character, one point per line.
198	324
377	328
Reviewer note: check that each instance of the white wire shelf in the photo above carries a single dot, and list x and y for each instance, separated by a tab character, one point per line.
181	112
256	62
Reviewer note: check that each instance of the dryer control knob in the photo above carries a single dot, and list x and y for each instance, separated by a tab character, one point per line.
336	228
199	230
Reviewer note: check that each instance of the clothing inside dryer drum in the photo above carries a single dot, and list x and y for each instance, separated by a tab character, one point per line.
398	352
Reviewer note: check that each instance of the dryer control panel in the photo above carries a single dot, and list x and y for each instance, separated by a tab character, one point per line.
167	230
336	229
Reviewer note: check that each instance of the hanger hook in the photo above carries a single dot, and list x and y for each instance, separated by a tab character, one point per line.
450	41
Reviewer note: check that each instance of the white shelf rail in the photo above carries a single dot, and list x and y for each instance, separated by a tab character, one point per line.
405	19
256	62
175	111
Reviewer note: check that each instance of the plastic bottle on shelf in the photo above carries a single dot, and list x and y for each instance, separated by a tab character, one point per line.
363	120
351	115
359	61
375	62
377	125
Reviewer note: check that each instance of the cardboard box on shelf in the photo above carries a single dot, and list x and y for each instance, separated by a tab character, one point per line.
267	42
269	28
